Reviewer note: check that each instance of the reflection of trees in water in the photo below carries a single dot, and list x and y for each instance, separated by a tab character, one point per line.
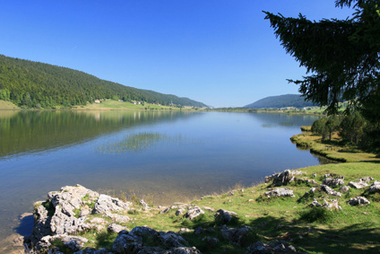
278	124
273	120
137	142
34	131
321	159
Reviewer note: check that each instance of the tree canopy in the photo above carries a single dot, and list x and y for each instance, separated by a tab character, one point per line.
280	101
32	85
341	56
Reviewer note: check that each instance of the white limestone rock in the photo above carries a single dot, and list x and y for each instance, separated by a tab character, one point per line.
280	192
358	201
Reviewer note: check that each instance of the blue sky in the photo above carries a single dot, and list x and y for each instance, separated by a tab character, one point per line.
220	52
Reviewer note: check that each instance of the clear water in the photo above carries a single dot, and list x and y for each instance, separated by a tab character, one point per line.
161	156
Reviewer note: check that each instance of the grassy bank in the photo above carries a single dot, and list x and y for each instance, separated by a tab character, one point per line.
354	229
6	105
106	105
119	105
331	149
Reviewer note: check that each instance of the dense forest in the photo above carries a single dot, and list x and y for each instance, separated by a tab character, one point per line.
31	84
281	101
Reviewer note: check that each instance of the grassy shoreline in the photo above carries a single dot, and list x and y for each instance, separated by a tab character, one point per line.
354	229
104	106
331	149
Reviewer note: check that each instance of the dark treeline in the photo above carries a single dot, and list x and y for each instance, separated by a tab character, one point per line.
37	85
353	128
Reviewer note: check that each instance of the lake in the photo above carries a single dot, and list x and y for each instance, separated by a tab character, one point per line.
161	156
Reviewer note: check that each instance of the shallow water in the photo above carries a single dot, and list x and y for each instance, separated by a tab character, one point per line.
161	156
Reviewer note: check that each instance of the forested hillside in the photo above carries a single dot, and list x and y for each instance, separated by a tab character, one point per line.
32	84
281	101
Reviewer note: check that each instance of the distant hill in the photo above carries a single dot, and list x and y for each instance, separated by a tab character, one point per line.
32	84
281	101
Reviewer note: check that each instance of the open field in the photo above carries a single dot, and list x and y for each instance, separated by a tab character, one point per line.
112	104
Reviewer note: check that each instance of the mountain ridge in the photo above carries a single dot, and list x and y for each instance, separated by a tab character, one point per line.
33	84
281	101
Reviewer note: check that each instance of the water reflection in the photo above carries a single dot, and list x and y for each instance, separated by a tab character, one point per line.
137	142
36	131
272	120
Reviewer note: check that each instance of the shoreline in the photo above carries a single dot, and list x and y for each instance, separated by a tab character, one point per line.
253	197
331	149
255	212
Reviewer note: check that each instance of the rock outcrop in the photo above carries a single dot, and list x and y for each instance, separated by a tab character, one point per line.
134	242
333	182
67	212
279	192
73	209
330	191
283	178
273	247
235	236
358	185
331	204
358	201
375	187
224	216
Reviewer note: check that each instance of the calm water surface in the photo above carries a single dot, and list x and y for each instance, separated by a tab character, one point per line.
161	156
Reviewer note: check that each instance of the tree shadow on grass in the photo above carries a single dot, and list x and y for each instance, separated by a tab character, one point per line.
358	238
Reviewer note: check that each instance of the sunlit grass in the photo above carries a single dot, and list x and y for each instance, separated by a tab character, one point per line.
112	104
7	105
331	149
